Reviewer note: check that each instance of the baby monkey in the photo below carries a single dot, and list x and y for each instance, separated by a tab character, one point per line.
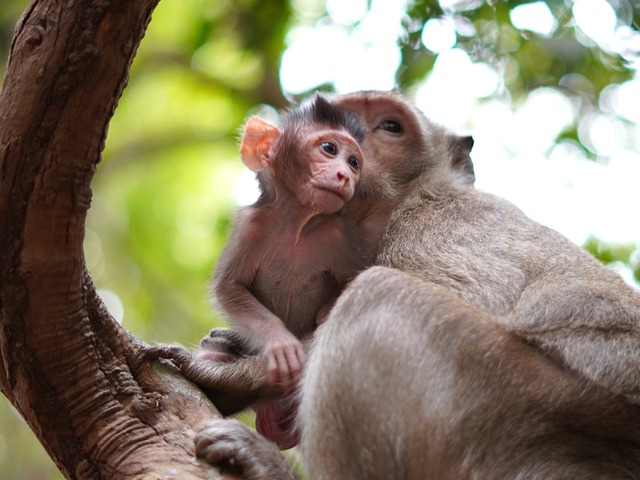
291	253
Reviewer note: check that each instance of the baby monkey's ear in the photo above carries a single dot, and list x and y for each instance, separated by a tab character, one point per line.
257	140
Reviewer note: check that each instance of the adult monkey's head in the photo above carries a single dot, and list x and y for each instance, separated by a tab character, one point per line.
403	147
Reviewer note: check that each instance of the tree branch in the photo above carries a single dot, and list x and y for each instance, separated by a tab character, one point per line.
66	365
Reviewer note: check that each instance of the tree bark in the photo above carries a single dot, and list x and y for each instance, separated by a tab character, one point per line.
73	373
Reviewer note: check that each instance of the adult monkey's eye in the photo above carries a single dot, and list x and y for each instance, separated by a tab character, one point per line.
330	148
354	163
391	126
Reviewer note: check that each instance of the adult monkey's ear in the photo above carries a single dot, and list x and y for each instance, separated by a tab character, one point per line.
257	140
461	158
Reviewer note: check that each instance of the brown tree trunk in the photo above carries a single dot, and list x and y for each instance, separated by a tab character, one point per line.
66	365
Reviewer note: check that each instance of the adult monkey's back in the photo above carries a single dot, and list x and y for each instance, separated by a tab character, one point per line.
488	346
485	346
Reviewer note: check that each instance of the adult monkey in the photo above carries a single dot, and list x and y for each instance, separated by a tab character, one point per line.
486	346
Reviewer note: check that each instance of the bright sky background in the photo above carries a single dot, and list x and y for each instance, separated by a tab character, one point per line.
558	187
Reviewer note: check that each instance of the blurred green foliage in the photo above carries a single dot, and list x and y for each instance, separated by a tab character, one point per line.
531	60
163	194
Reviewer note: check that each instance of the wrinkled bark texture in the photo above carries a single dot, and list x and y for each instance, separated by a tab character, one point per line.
65	364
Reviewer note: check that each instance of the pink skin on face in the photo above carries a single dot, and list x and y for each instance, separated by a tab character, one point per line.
335	169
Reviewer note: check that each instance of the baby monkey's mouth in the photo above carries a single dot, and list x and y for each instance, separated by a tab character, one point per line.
335	190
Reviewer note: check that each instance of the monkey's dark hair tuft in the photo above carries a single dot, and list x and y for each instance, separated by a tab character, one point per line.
322	111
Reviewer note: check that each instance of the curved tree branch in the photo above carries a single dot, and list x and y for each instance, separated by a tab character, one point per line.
65	364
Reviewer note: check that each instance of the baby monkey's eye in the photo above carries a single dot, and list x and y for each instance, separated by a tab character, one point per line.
330	148
354	163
